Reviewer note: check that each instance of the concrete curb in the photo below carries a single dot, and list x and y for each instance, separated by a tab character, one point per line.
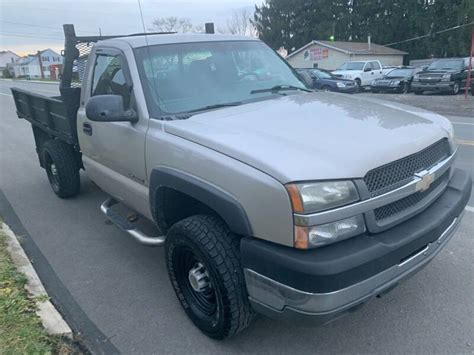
52	320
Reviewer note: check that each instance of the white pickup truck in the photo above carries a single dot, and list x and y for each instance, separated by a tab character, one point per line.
362	72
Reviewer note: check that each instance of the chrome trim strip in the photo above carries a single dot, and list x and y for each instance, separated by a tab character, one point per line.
372	203
278	296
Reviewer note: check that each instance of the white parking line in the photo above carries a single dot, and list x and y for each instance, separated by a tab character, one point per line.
463	123
1	93
470	209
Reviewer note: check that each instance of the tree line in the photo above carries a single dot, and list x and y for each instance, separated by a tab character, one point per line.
293	23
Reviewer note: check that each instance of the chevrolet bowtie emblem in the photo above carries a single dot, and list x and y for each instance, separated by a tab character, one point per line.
425	182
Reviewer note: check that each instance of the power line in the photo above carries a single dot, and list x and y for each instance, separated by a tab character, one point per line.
430	34
28	35
41	26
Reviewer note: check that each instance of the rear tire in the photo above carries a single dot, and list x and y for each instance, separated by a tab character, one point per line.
62	168
325	88
203	261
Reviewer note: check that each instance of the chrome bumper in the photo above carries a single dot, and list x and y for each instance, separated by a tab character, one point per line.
280	301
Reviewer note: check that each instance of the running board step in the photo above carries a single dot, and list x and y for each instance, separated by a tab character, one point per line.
122	222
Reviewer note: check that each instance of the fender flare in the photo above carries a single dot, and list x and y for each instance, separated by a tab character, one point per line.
224	204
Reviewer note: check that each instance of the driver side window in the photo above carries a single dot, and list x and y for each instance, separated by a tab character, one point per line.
108	78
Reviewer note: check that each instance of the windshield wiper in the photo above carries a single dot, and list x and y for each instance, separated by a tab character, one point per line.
278	88
210	107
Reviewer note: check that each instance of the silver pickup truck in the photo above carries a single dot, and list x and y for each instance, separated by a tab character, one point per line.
268	197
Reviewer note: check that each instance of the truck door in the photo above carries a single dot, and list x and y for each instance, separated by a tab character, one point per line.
367	74
113	152
376	70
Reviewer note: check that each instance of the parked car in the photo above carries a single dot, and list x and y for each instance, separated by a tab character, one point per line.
443	75
268	197
362	72
397	80
324	80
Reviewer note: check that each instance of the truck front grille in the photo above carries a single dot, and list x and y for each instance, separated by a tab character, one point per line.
400	206
398	173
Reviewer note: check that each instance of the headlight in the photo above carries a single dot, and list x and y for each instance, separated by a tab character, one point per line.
340	85
446	77
320	196
347	76
311	237
416	77
394	82
374	82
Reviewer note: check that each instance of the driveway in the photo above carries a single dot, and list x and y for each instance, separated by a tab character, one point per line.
116	295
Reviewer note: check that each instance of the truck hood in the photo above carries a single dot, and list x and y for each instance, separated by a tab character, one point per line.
314	136
344	72
439	71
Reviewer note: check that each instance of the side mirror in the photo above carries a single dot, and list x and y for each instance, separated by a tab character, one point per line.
307	79
109	108
367	69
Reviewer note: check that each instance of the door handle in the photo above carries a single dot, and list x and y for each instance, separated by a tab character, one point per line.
87	129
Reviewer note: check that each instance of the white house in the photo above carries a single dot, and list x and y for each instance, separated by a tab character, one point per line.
7	57
331	55
30	65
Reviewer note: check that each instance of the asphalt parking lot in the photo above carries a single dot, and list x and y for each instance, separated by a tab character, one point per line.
117	297
455	105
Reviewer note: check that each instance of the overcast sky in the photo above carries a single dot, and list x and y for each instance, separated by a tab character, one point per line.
30	25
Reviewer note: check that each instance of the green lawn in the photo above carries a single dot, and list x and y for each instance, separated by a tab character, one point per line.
21	331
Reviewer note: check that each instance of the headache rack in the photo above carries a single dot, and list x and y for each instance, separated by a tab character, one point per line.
56	116
76	52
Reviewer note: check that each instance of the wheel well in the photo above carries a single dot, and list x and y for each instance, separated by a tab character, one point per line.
172	206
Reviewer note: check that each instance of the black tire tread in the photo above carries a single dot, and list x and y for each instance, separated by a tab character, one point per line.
63	157
223	248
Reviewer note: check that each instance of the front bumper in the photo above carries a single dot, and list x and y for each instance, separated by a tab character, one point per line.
323	284
347	89
386	88
437	86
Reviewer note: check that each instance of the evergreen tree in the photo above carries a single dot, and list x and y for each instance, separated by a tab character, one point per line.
294	23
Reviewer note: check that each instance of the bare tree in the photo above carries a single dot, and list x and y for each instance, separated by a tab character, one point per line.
239	23
174	24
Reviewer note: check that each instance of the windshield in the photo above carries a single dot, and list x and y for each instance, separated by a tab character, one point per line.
446	64
400	73
322	74
179	78
352	66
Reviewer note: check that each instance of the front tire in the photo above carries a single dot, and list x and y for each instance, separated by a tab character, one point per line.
358	84
203	262
404	89
61	167
455	89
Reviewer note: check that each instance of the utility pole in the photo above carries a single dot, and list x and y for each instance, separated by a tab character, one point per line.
469	70
40	62
100	32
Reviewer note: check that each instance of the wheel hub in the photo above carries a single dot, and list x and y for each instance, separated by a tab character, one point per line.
199	278
54	170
